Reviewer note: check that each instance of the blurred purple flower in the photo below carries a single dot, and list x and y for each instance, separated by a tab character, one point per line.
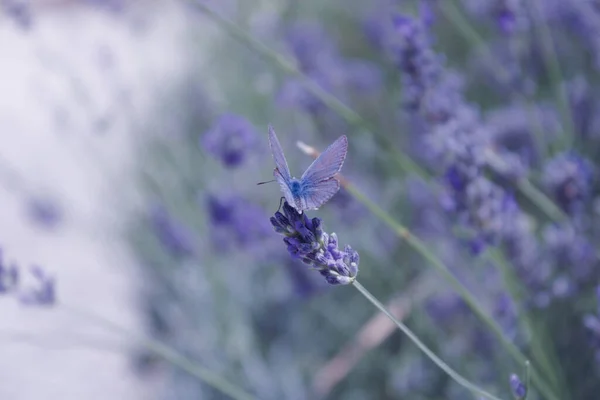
19	11
177	239
512	132
318	57
307	242
583	18
443	308
236	220
568	178
510	16
44	212
45	292
230	139
570	251
41	293
421	67
518	388
311	46
481	207
9	277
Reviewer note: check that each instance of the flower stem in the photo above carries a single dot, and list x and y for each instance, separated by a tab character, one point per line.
170	355
429	353
419	246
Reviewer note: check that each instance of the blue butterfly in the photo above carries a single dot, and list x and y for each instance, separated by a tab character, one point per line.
318	183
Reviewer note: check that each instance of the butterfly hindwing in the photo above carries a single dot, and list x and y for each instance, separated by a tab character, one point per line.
316	195
328	163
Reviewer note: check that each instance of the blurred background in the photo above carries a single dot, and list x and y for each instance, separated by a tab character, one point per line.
133	134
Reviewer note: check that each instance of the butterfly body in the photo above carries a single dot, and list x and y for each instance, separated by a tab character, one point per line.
318	183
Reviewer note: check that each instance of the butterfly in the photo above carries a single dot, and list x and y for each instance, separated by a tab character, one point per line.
318	183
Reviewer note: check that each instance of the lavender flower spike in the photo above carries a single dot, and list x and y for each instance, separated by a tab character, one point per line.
519	390
306	240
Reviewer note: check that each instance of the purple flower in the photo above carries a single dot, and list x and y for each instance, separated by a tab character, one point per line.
570	251
510	16
568	178
518	388
307	242
230	139
43	293
177	239
443	308
456	139
583	18
511	130
236	221
482	207
19	11
44	212
9	277
421	67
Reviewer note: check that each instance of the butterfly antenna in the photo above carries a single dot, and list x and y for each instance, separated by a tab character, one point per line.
262	183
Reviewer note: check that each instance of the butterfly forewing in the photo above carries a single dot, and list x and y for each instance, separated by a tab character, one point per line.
279	158
328	163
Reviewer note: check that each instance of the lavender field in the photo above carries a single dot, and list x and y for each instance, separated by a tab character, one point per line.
444	244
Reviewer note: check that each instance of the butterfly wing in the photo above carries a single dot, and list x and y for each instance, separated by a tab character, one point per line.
327	164
280	162
285	187
281	171
314	196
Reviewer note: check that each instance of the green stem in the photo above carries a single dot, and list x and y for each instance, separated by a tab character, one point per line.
541	200
170	355
421	248
429	353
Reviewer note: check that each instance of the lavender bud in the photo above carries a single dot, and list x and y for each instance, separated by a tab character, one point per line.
519	390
